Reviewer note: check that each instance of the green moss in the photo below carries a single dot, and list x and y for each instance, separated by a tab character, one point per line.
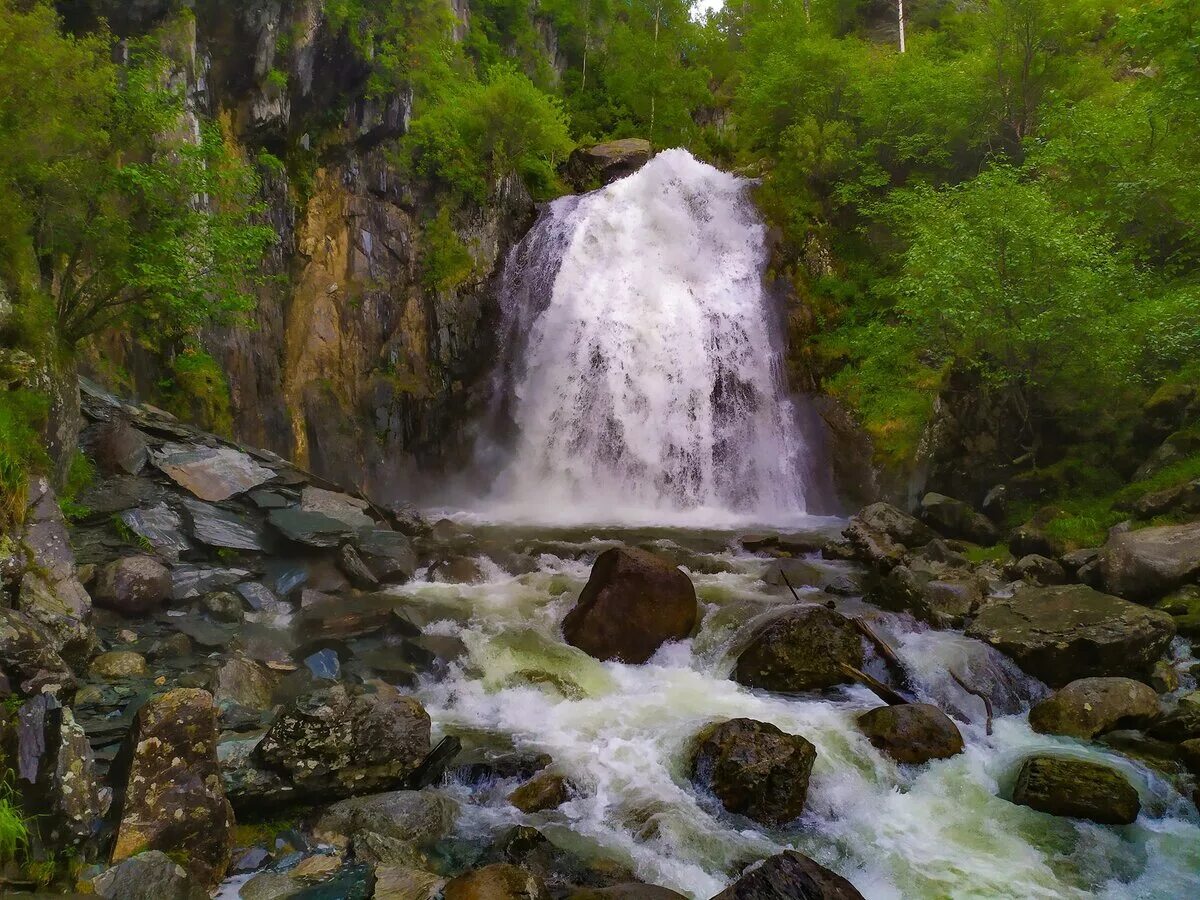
22	415
445	260
995	553
198	391
14	832
80	476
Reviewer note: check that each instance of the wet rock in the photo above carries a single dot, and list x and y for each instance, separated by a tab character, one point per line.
627	892
546	790
790	875
118	448
754	769
1092	706
415	818
1059	634
148	876
457	570
121	492
956	519
209	635
1072	787
913	733
940	595
1037	570
1180	724
500	881
323	617
56	776
332	743
881	533
324	665
801	651
174	800
350	511
222	528
388	554
356	570
1183	606
250	861
118	664
263	600
600	164
399	882
1075	561
244	682
223	606
133	585
160	526
28	659
632	604
189	580
314	529
210	473
1150	562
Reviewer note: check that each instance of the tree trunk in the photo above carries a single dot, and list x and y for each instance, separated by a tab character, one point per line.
900	19
65	419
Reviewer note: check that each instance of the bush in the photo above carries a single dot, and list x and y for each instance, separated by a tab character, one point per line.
22	413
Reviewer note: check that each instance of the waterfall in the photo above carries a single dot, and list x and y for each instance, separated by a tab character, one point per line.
641	373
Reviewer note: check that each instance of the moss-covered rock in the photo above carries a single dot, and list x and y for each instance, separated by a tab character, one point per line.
1183	606
1072	787
801	651
912	733
1092	706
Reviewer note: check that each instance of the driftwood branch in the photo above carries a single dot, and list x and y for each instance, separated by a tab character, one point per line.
789	584
987	702
888	695
883	648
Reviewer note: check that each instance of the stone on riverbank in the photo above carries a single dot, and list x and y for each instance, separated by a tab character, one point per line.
790	876
800	651
133	585
1072	787
1059	634
913	733
754	769
1150	562
1090	707
632	604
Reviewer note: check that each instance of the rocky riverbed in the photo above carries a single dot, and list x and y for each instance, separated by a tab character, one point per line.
230	676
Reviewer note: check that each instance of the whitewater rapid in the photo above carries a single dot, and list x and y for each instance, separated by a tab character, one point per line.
641	377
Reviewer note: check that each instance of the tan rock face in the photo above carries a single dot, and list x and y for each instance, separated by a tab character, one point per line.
174	800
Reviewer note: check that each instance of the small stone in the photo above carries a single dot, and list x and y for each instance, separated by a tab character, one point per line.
223	606
324	664
546	790
118	664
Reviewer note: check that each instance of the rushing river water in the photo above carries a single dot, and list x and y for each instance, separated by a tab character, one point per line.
622	733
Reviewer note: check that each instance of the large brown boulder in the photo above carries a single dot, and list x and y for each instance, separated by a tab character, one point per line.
912	733
500	881
633	603
790	876
174	800
333	743
754	769
1059	634
801	651
133	585
1073	787
1150	562
1092	706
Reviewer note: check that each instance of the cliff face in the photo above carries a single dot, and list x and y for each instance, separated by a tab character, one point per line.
353	366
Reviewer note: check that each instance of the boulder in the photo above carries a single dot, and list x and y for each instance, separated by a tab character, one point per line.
118	664
148	876
880	534
1064	786
941	595
333	743
355	569
224	606
600	164
1062	633
118	448
626	892
56	776
350	511
499	881
313	529
632	604
215	526
912	733
1150	562
174	800
28	659
401	882
133	585
388	554
1031	539
800	651
417	819
546	790
210	473
1179	498
1093	706
754	769
1037	570
790	876
956	519
160	527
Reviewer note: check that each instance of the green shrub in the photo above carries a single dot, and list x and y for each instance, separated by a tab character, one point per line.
14	833
446	261
22	413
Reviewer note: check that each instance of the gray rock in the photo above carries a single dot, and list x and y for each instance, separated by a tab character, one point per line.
880	534
1037	570
133	585
350	511
148	876
314	529
263	600
956	519
1059	634
800	651
189	581
244	682
388	554
1150	562
160	526
600	164
121	492
356	570
210	473
938	594
912	733
217	527
790	876
28	659
1092	706
223	606
416	818
118	447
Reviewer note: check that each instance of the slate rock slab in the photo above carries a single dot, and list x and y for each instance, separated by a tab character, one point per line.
160	526
210	473
217	527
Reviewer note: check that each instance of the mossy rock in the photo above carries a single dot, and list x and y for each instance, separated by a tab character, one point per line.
1076	788
1183	606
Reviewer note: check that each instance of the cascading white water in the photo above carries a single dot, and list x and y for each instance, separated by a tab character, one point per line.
643	376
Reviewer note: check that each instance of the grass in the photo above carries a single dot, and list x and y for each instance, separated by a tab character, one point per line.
995	553
14	833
